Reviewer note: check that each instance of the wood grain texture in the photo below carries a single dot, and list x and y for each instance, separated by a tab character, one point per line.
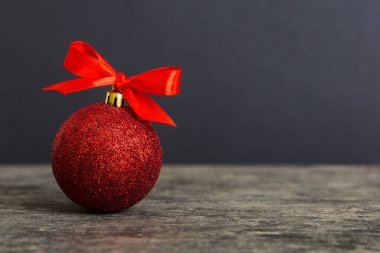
201	209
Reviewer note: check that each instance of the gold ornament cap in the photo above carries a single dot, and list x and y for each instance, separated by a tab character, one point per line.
115	98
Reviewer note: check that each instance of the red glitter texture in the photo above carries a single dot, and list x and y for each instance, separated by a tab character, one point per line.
106	158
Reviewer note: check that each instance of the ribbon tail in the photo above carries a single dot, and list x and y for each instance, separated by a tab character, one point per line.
79	84
146	108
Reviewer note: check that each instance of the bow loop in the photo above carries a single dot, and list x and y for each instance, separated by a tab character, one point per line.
84	61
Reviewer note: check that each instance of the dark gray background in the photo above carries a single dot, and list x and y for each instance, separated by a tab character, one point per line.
263	81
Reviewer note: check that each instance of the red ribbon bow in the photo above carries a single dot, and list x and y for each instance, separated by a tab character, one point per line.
83	60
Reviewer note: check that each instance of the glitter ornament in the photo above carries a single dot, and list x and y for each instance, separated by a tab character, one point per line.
106	157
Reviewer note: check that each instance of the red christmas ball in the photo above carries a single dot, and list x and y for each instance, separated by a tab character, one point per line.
106	158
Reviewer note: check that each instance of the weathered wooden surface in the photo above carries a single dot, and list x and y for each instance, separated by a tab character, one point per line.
201	209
